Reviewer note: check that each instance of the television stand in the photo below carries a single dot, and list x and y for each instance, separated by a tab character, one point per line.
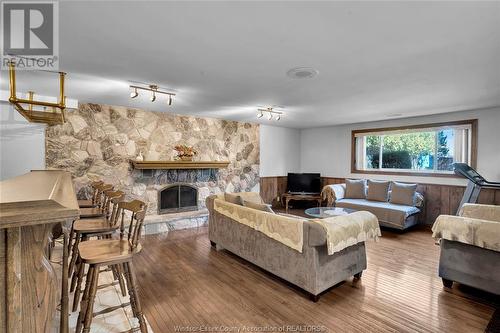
287	197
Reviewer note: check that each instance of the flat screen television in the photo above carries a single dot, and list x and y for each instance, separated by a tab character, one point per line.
307	183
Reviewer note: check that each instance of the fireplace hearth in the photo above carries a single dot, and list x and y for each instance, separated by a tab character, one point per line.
176	198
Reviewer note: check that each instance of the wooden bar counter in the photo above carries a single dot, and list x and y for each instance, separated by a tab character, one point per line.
30	206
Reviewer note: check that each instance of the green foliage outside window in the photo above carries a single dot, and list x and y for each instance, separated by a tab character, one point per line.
402	151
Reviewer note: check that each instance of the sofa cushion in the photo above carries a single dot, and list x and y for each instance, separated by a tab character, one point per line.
355	188
403	194
258	206
385	211
378	190
233	198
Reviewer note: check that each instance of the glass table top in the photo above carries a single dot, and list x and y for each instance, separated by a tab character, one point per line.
323	212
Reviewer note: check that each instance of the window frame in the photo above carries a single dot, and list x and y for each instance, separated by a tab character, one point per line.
473	148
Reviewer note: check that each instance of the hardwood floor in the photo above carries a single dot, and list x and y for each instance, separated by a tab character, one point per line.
185	282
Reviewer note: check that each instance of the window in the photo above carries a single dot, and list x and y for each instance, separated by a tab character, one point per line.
427	150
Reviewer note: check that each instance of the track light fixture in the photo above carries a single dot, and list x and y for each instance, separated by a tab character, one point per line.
271	113
154	89
134	93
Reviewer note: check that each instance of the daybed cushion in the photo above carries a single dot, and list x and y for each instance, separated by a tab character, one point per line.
403	194
378	190
384	211
355	188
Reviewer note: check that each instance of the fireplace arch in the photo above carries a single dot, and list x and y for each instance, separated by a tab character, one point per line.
179	197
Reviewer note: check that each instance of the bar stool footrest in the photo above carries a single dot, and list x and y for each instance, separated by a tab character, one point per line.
111	309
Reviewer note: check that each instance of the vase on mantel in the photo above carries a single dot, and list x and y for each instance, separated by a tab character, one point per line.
139	157
186	158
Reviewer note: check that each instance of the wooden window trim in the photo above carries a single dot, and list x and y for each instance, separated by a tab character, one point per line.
472	122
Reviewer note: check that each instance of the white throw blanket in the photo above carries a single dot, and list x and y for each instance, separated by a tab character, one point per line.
347	230
286	230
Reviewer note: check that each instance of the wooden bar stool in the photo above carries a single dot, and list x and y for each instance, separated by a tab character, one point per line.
90	203
100	228
100	200
95	212
105	252
97	224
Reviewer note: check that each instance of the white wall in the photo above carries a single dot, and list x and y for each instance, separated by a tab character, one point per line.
22	144
328	149
279	150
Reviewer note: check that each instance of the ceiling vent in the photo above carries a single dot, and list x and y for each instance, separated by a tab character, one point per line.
302	73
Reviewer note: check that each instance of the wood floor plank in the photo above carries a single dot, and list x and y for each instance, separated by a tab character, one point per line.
185	282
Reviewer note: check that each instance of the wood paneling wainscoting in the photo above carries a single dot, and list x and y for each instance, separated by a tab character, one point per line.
439	199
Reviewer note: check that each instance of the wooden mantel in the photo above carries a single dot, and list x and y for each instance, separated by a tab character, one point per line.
155	165
30	206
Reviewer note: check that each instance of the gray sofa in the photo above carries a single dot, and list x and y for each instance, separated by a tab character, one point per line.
389	215
313	270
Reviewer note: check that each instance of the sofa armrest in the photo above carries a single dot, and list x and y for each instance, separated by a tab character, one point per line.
483	212
316	235
419	200
332	193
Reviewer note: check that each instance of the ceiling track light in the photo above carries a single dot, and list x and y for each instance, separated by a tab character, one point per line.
271	112
134	93
154	89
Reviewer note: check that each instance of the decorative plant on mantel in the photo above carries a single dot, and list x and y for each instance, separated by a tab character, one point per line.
185	153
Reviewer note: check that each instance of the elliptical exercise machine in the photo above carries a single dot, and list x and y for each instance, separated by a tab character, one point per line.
475	184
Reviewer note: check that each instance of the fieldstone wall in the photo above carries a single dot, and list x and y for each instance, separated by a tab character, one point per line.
97	142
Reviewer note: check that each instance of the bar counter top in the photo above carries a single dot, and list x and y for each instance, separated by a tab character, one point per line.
37	197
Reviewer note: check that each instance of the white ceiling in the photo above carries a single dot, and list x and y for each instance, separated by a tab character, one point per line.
225	59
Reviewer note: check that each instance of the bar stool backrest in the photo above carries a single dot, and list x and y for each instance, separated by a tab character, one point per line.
94	186
137	210
100	198
112	198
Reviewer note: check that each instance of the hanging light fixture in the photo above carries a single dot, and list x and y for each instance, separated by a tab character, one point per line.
35	111
134	93
154	89
271	112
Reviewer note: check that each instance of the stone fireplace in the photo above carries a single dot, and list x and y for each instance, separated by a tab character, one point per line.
98	141
176	198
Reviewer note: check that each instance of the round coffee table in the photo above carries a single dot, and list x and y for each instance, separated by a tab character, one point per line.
323	212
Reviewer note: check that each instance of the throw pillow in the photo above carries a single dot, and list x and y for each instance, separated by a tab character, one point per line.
233	198
258	206
378	190
355	189
403	194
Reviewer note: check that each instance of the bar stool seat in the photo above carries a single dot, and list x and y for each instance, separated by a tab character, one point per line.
94	226
104	251
86	204
91	212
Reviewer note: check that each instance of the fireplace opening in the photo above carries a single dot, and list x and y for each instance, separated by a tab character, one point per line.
177	198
